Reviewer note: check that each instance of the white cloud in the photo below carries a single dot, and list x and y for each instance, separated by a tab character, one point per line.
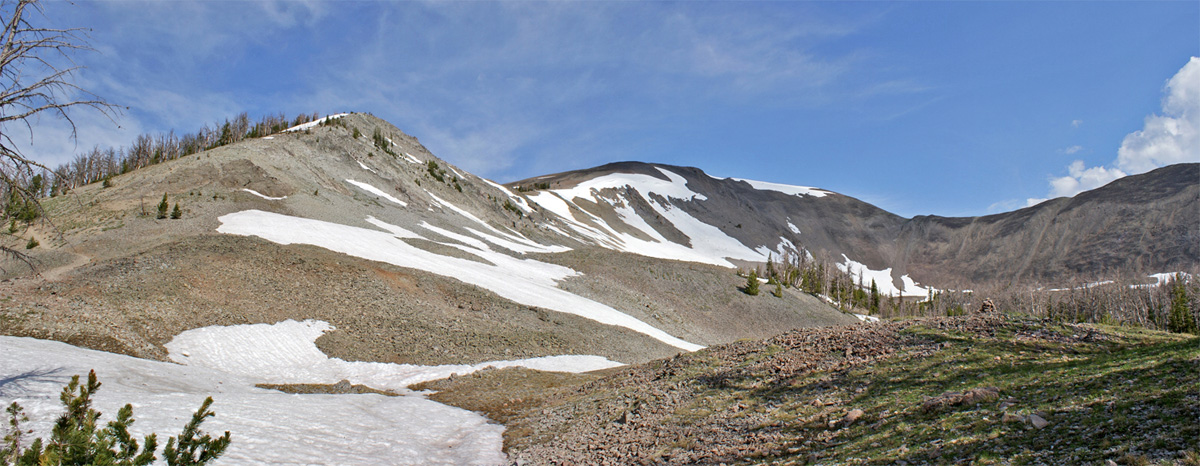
1170	138
1076	123
1174	136
1035	201
1081	178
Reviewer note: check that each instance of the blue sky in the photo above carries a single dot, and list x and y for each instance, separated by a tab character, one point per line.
947	108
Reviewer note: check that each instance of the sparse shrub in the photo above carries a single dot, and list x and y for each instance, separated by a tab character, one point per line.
12	226
33	243
752	283
176	213
509	206
357	133
778	290
107	182
78	439
436	172
162	207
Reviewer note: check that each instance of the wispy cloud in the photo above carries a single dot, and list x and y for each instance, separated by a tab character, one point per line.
1169	138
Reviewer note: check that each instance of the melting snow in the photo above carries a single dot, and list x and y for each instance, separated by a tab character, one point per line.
376	191
364	166
525	281
709	244
314	123
883	279
410	157
267	426
785	188
264	196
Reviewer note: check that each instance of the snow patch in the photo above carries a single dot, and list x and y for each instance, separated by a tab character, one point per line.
314	123
264	196
524	281
267	427
286	352
883	279
376	191
709	245
785	188
792	227
364	166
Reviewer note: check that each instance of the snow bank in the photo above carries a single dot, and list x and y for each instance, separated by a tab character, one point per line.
708	244
286	352
883	280
785	188
268	427
376	191
314	123
264	196
525	281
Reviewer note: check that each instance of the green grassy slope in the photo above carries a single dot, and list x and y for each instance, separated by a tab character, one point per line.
971	390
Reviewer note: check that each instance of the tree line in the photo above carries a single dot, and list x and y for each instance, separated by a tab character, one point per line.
147	149
1171	305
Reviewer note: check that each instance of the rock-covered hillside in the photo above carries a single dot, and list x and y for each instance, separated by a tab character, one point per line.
350	221
1135	226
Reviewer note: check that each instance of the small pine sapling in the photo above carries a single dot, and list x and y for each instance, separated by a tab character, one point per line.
162	207
77	438
33	243
176	213
778	290
192	451
752	283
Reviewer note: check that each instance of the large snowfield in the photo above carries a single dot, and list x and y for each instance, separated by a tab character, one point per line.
267	426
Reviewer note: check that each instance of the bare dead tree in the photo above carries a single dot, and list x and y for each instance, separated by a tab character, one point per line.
37	73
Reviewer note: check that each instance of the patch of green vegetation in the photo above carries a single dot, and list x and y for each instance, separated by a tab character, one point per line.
1130	391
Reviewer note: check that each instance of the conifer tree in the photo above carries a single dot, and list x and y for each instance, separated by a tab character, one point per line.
163	206
176	213
78	437
1180	319
778	290
752	283
874	306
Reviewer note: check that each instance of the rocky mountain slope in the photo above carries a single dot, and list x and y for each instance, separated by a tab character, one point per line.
1138	225
350	221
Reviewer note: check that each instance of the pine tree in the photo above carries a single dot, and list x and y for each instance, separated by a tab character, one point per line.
778	290
78	438
874	298
752	283
176	213
163	206
1180	319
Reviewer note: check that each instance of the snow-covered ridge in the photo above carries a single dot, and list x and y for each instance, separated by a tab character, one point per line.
785	188
523	281
709	245
314	123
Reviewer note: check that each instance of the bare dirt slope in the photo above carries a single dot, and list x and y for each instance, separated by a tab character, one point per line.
112	276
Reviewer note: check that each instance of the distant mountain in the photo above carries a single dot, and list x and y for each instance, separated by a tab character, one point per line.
1140	224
